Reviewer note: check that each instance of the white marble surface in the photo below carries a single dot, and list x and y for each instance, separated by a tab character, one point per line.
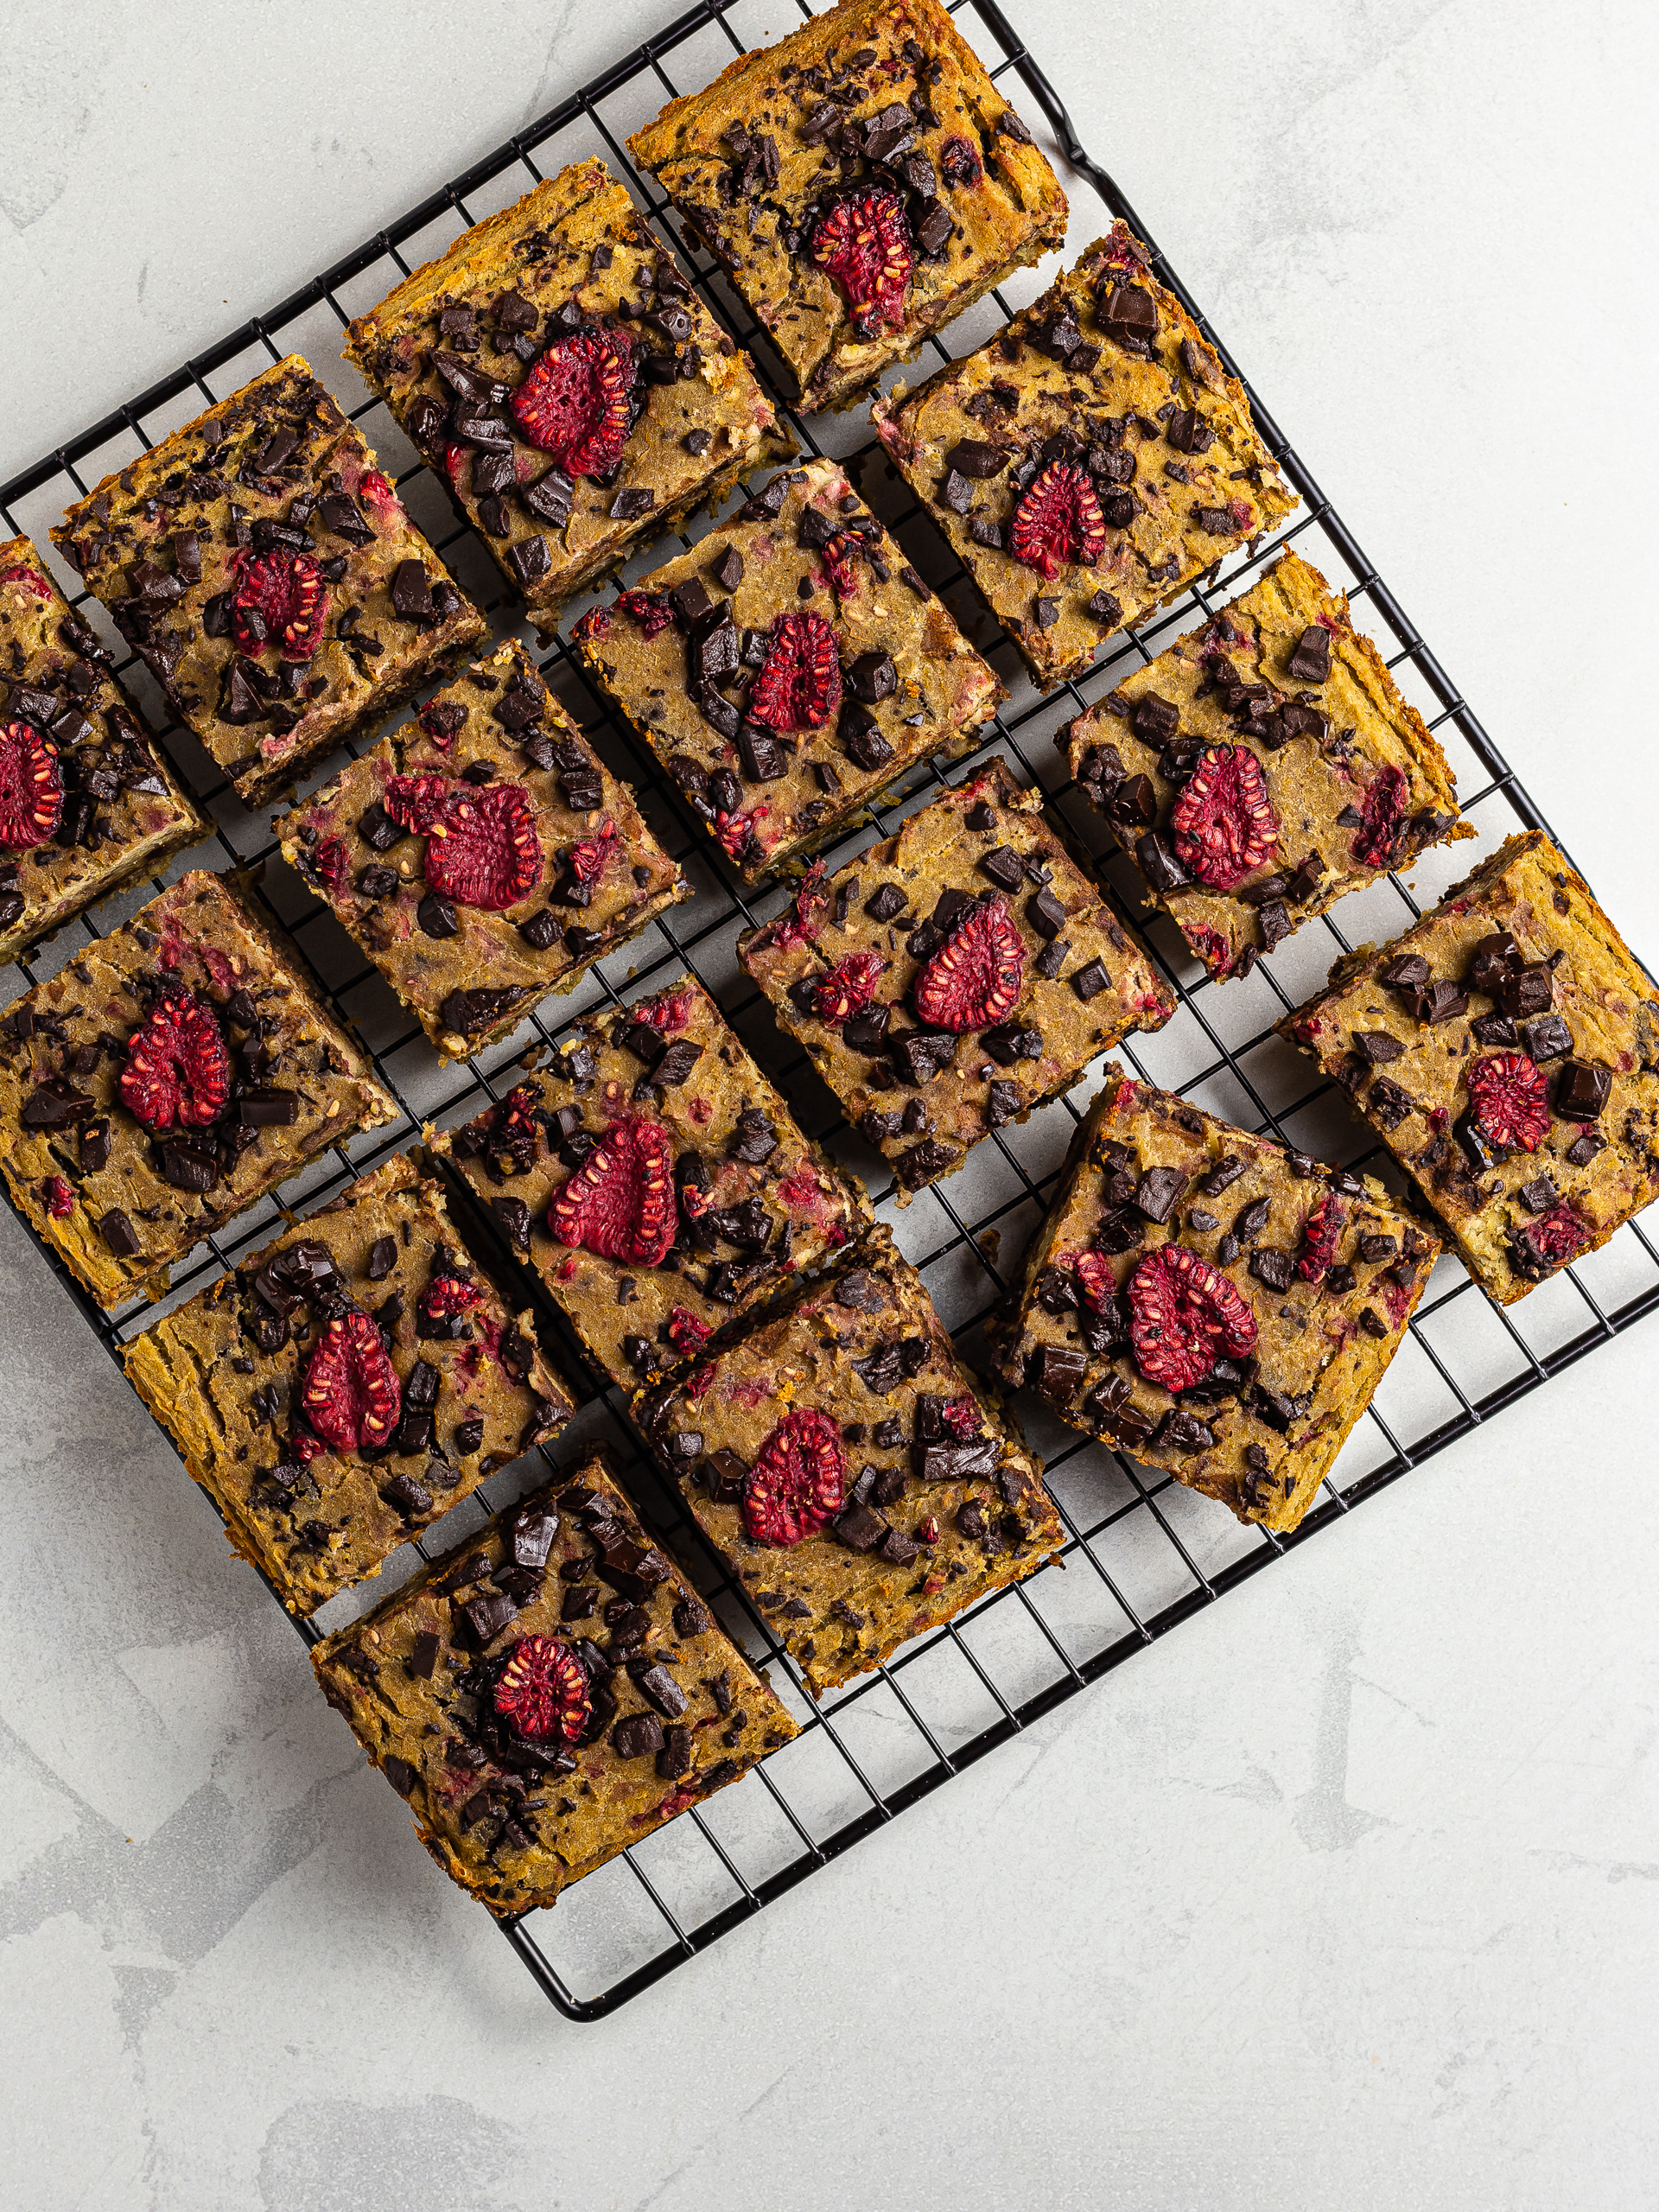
1345	1894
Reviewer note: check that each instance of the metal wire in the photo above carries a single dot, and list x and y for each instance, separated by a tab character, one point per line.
1141	1552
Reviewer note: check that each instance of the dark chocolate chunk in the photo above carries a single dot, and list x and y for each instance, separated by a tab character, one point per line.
1157	1192
1528	990
1310	658
1276	1269
1582	1090
1547	1038
1045	913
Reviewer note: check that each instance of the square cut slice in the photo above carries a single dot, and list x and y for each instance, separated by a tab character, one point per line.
860	184
567	385
87	804
955	977
1263	766
788	669
347	1385
1090	462
1213	1304
164	1079
482	855
265	571
653	1181
548	1693
1506	1050
861	1484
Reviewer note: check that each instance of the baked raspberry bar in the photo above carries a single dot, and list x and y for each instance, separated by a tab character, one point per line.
265	571
1506	1050
346	1386
86	803
654	1182
1215	1304
165	1078
788	669
860	1484
861	182
567	384
1263	766
482	855
549	1692
956	975
1090	462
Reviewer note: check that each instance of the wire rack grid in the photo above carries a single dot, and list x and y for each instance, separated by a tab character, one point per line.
1141	1554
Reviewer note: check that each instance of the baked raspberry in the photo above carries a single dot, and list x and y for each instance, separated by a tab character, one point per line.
1379	831
415	803
30	579
177	1068
671	1011
962	1417
31	789
797	926
1550	1240
1509	1099
865	245
650	609
1096	1279
542	1690
59	1198
839	556
847	988
332	863
281	601
1059	520
352	1396
737	832
591	856
799	687
446	1296
959	162
620	1203
975	978
1321	1234
1183	1315
483	849
577	402
797	1481
1223	821
685	1332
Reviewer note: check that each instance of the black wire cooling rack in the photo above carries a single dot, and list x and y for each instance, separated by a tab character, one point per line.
1142	1552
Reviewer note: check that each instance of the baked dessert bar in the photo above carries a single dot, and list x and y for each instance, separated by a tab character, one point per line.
347	1385
164	1079
860	1483
861	182
654	1182
1213	1304
85	802
1506	1050
549	1692
567	384
1089	463
788	669
264	568
1263	766
482	855
954	977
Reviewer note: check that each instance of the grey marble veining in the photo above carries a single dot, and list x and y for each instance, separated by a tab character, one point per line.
1348	1891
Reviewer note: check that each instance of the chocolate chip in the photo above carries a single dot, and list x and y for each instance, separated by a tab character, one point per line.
1582	1090
1589	1143
540	930
872	678
529	557
1045	913
1376	1046
1547	1038
1163	871
260	1108
977	457
1276	1269
1527	990
1157	1191
885	902
436	916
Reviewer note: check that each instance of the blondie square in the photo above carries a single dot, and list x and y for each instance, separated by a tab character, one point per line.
1090	462
482	855
260	564
1218	1306
567	384
548	1693
164	1079
86	803
1506	1050
654	1182
861	182
860	1483
347	1385
955	977
1263	767
788	669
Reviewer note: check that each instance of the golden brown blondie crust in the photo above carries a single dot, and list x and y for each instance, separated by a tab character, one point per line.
482	855
269	1079
1506	1050
448	349
521	1693
347	1385
1161	471
1276	698
875	100
1316	1267
91	804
